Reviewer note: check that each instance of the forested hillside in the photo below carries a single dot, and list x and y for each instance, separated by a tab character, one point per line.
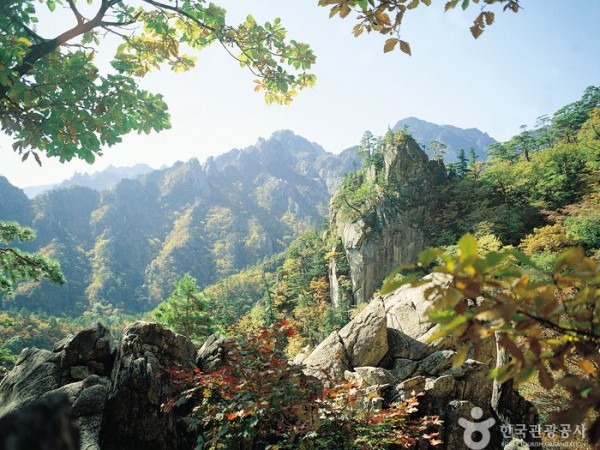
540	198
126	246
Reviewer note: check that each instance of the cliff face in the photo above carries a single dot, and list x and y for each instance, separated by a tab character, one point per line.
386	233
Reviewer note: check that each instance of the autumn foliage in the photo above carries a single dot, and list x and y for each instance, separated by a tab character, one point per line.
259	400
547	321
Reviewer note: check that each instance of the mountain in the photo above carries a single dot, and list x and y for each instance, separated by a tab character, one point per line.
14	204
100	181
127	245
455	138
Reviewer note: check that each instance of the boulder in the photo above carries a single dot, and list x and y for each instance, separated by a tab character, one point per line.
365	336
93	344
436	363
212	355
35	373
362	342
45	424
373	376
328	359
406	310
133	417
403	368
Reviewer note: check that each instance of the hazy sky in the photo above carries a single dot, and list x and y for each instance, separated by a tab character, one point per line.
525	65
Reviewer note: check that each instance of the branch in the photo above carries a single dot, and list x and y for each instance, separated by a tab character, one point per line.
135	18
590	335
183	13
78	16
38	51
26	260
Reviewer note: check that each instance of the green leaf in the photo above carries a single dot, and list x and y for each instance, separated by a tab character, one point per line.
467	246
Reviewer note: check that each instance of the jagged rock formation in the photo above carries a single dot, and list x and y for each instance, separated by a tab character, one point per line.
401	362
139	386
127	245
388	234
115	395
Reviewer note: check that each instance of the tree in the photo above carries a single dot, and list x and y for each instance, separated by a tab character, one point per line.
501	151
367	146
543	135
186	311
16	265
524	142
386	16
54	99
568	120
462	166
438	150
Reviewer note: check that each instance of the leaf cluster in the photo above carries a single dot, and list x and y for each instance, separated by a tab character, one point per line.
259	400
386	16
54	99
17	265
547	321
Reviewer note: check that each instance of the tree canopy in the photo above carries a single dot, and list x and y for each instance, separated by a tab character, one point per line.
53	97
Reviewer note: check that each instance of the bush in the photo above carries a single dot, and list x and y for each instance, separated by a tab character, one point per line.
259	400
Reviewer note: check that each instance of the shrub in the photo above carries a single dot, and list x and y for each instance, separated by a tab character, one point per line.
259	400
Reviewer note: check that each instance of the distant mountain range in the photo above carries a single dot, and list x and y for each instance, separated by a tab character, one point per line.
99	181
125	245
455	138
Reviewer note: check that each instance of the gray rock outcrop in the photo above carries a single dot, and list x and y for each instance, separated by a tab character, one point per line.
389	235
45	424
140	385
411	364
113	396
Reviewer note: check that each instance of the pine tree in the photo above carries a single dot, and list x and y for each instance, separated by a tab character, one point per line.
186	311
438	149
462	167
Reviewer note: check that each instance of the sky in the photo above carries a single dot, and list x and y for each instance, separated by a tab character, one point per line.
523	66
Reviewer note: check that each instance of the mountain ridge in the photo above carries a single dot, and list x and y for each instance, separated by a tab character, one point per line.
125	246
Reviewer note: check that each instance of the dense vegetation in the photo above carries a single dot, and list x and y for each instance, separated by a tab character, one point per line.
537	193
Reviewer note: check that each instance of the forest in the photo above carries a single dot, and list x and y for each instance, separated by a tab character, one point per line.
268	294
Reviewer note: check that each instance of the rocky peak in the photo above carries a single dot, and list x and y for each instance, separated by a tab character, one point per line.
379	228
405	161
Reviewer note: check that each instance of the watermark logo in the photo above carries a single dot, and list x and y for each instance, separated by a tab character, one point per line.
483	428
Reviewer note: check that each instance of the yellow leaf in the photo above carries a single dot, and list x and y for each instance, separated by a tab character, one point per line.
587	366
390	44
405	47
383	18
476	31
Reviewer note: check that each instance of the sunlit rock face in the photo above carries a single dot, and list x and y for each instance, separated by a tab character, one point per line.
389	234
